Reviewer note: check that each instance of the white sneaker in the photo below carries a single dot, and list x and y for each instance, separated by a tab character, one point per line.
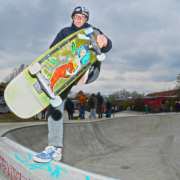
50	153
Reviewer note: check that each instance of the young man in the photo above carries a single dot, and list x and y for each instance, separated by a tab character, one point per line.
100	103
80	17
92	103
108	107
69	106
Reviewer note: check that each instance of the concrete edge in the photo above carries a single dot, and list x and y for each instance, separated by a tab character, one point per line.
16	162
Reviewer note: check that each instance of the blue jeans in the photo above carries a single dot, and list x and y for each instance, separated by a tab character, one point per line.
100	110
43	114
82	111
55	121
70	115
108	113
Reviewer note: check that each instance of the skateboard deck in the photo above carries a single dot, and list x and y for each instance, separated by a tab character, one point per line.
59	67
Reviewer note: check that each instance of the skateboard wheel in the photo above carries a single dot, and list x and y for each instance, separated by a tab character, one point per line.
101	57
56	102
35	68
88	31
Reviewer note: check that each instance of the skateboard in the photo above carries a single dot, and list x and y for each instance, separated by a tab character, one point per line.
41	83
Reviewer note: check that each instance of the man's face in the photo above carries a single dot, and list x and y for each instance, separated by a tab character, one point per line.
79	20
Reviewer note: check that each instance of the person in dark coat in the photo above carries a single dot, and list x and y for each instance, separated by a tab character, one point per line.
92	103
69	106
108	107
177	106
100	103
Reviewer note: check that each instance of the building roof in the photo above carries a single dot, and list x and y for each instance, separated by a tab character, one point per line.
165	93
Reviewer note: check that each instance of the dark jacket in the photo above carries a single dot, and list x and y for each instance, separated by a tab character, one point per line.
69	106
108	105
95	102
95	68
99	99
67	31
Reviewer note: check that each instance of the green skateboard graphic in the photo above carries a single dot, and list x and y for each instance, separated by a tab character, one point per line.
48	76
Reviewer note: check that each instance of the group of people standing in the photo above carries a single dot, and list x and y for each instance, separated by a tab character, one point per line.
95	104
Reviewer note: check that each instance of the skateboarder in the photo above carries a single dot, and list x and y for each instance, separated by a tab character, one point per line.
80	16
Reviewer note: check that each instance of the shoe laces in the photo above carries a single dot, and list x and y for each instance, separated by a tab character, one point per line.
49	149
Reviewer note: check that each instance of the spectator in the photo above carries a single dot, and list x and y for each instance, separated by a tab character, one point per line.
171	109
92	103
121	108
36	117
108	107
69	106
112	110
146	109
132	107
103	109
43	113
150	109
83	101
100	103
115	109
177	107
153	109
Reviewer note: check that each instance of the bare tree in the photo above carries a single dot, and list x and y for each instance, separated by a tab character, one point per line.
13	74
134	94
177	83
120	94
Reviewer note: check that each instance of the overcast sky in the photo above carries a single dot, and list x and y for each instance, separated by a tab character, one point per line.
145	36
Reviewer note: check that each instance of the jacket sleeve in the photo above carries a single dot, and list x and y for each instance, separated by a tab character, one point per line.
109	45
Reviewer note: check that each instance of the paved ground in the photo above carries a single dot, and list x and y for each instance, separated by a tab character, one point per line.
130	146
4	127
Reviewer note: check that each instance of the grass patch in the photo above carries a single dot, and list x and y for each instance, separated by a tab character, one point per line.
4	118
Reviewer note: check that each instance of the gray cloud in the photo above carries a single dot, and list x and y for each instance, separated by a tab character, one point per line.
145	36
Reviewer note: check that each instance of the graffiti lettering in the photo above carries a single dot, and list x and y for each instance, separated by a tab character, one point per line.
22	156
47	167
10	171
25	157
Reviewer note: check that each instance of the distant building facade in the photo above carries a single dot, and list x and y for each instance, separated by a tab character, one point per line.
172	93
156	99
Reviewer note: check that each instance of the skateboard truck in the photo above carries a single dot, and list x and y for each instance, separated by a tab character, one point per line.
35	70
94	46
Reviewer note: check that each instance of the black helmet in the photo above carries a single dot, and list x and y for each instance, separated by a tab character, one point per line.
81	10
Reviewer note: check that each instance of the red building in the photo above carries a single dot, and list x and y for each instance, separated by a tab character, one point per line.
157	101
174	93
160	99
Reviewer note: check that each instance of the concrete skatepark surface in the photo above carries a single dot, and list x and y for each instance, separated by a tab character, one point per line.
128	146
